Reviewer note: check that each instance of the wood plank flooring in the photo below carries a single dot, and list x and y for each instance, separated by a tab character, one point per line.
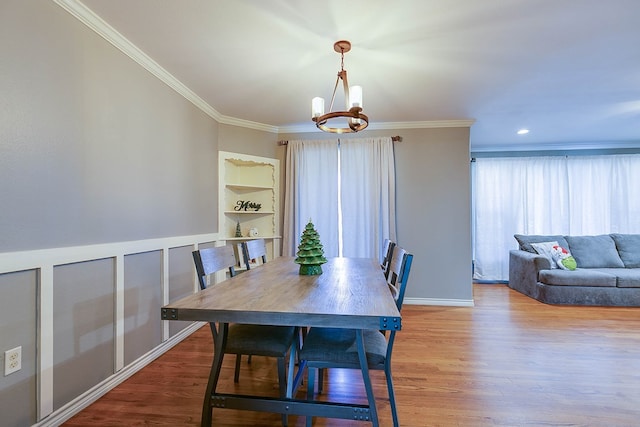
508	361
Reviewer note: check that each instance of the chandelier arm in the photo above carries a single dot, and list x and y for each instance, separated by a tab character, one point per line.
345	85
333	97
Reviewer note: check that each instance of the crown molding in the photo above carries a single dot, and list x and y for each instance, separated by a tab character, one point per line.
464	123
310	127
558	146
247	124
110	34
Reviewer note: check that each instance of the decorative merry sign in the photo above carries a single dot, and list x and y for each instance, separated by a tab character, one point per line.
245	205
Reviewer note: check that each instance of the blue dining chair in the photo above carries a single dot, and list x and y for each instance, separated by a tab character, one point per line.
387	252
254	250
336	348
260	340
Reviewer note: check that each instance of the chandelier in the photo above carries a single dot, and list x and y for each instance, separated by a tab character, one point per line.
356	120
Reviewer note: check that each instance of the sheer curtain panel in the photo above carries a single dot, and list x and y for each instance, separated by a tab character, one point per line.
311	193
367	176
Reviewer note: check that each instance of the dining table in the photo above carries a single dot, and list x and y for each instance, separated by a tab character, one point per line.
350	293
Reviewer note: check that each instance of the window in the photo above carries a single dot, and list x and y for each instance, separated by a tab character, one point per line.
577	195
347	189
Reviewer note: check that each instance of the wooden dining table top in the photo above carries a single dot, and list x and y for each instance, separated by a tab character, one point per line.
350	293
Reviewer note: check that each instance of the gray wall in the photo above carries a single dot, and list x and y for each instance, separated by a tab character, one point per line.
94	148
433	196
247	141
434	211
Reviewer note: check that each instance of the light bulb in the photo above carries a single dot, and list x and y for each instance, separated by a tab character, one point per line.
317	107
355	96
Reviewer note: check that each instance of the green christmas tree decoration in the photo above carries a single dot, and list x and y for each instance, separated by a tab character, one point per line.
310	254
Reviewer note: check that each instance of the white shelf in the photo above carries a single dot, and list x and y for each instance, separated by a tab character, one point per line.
249	179
241	239
248	187
250	212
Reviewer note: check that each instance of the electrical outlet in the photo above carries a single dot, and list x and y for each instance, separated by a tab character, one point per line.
12	360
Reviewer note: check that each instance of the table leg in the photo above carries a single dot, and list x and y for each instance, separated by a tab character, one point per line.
219	343
364	367
292	367
293	377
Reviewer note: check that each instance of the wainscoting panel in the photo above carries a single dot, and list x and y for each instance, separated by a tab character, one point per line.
18	327
142	302
83	327
182	280
87	318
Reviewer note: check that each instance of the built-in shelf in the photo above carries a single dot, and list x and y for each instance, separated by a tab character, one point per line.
255	180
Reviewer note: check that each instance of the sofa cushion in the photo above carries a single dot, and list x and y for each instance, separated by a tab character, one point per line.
629	279
628	248
626	277
525	241
577	277
594	251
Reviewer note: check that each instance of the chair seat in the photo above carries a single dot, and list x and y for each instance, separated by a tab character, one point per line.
338	346
260	340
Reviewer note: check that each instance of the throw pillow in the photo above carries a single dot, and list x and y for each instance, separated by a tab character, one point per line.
546	250
562	257
595	251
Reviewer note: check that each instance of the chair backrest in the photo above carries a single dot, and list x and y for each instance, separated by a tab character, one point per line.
212	260
254	249
387	251
399	268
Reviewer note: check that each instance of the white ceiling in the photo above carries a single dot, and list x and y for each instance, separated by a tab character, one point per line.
569	70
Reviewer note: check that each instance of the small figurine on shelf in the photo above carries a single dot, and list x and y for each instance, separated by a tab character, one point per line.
310	254
238	231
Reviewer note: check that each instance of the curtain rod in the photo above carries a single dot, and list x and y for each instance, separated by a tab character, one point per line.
393	138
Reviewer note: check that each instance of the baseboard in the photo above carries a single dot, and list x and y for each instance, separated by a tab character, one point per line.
58	417
437	301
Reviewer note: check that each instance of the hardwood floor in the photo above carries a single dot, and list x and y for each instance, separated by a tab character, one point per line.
508	361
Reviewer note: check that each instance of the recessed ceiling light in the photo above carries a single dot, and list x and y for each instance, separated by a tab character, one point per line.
523	131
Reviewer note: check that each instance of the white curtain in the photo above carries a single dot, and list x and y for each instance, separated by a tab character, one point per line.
347	188
311	193
367	176
578	195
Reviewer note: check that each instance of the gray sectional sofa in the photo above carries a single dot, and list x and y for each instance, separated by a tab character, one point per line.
607	273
